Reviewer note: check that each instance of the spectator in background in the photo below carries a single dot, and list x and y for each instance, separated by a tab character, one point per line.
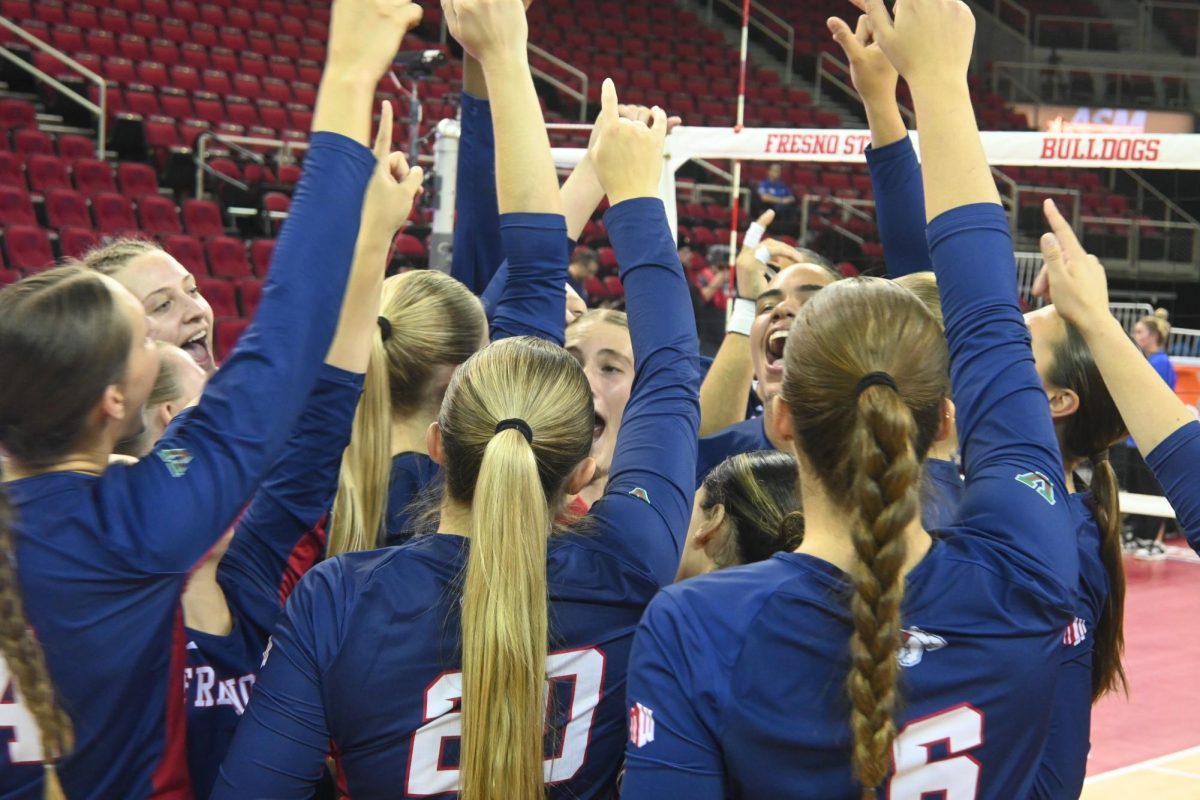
773	194
584	264
708	297
1146	533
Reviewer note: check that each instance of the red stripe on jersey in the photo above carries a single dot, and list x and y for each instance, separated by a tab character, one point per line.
305	555
171	780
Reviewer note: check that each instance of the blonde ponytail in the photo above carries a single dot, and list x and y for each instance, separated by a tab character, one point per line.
516	422
504	626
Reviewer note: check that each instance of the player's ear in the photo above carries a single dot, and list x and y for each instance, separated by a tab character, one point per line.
433	443
1063	403
946	423
781	420
581	476
712	529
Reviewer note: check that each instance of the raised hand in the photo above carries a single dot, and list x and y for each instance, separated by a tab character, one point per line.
927	41
364	35
627	154
873	76
394	186
1076	278
489	29
751	271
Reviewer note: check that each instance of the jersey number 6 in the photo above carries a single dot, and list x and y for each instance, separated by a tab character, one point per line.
955	777
428	775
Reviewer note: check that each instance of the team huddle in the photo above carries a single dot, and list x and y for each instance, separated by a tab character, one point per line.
441	536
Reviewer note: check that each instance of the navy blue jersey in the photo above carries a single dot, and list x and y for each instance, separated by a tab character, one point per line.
899	207
1173	463
412	474
742	437
291	502
367	653
477	249
713	715
941	494
102	559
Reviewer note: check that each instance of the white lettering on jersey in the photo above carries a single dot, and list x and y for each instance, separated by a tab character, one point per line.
205	678
25	741
955	777
641	725
1076	633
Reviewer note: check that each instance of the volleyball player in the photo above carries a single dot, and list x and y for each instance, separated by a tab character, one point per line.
1086	421
1166	432
102	552
965	615
745	511
427	664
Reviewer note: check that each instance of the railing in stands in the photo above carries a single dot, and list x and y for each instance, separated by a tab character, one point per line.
99	110
832	70
1042	83
1137	234
1184	342
1147	22
775	28
580	94
1129	313
1014	15
1086	23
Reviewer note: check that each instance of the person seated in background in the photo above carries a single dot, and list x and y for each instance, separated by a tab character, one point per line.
584	264
775	195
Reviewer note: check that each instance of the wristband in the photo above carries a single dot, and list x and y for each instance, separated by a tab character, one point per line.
741	316
754	235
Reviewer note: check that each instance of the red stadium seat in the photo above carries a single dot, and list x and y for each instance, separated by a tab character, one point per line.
158	215
257	174
74	242
144	25
32	142
93	176
208	107
195	52
113	214
82	16
282	68
46	173
27	248
9	276
175	103
233	38
241	111
272	114
152	73
185	10
101	43
249	295
51	12
220	295
227	257
12	171
614	286
212	14
136	179
188	251
261	43
260	255
228	332
161	133
246	86
300	117
185	77
226	167
202	218
289	174
224	59
66	208
15	207
72	146
216	81
67	37
305	94
410	248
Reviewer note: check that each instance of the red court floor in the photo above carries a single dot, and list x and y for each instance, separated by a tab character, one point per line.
1162	659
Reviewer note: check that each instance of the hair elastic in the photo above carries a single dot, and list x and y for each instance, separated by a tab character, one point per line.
875	379
516	424
385	327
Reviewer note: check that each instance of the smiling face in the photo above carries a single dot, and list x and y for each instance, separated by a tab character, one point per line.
605	352
776	309
176	311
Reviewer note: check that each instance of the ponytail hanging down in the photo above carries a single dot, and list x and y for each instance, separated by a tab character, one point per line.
27	664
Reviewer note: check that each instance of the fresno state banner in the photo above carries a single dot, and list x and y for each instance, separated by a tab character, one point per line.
1003	148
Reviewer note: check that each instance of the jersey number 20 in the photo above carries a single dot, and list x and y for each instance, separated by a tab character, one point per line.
25	741
955	777
428	775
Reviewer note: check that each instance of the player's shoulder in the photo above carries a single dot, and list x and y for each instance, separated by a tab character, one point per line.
748	430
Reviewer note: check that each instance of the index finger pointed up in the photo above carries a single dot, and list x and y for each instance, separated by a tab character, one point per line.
609	110
1067	239
383	139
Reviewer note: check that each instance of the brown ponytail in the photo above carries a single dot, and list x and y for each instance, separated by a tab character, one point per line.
513	486
1087	434
866	445
26	662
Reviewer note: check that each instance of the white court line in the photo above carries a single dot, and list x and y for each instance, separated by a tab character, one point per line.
1153	762
1175	772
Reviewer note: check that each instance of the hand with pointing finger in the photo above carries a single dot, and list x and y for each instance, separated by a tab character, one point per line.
394	186
1075	277
873	76
627	154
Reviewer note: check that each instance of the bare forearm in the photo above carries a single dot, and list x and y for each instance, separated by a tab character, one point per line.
581	195
727	385
884	119
1151	409
357	325
953	163
345	102
525	176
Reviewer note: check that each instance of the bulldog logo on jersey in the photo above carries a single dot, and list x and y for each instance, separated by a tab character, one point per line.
1039	483
914	643
640	494
177	460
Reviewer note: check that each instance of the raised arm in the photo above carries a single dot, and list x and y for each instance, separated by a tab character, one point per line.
647	502
1165	430
1015	491
895	172
193	484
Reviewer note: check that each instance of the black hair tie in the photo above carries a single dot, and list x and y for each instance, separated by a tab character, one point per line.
875	379
516	424
385	327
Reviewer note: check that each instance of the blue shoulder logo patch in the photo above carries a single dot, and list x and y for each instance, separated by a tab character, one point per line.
1039	483
641	494
177	460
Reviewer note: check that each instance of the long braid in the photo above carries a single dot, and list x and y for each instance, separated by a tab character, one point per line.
885	473
26	662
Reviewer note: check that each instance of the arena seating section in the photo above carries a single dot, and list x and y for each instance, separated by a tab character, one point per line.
250	67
